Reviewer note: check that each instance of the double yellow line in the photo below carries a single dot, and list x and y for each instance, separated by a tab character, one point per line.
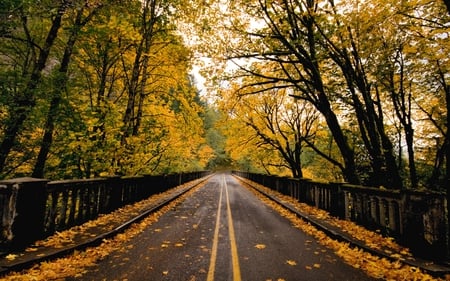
234	252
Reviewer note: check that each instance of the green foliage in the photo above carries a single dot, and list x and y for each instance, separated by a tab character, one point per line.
216	140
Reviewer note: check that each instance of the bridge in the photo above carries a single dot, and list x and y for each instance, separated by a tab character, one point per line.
201	226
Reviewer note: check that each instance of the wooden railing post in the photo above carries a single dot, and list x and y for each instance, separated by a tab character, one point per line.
26	211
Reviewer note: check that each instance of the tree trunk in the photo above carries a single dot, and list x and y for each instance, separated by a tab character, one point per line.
47	140
350	174
137	83
446	148
323	105
24	103
409	136
132	86
58	88
380	148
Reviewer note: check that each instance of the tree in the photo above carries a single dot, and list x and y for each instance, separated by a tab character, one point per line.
283	126
277	123
290	48
124	107
216	140
24	100
347	47
60	83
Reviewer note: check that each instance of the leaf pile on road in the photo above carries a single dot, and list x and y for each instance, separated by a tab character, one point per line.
78	263
374	266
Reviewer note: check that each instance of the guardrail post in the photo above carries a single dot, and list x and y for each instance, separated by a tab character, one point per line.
338	200
115	199
26	211
425	224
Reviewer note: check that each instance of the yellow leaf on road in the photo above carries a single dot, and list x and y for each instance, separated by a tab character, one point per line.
260	246
291	262
11	257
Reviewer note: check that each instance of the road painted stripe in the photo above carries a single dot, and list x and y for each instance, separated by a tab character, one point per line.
212	262
234	252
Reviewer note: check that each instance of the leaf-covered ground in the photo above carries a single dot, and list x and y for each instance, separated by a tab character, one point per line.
374	266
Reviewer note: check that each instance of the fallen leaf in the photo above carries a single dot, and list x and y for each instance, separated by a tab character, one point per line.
11	257
316	265
372	265
260	246
75	264
291	262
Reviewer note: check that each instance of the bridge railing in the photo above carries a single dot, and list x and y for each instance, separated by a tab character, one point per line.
32	209
416	219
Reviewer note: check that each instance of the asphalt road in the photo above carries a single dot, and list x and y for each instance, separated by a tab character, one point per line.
223	232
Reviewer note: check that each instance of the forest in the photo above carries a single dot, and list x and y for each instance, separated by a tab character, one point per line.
97	88
354	91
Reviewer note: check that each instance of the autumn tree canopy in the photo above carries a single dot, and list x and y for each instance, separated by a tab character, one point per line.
335	90
376	71
93	88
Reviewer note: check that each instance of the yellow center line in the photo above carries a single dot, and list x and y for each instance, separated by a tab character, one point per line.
234	252
212	262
